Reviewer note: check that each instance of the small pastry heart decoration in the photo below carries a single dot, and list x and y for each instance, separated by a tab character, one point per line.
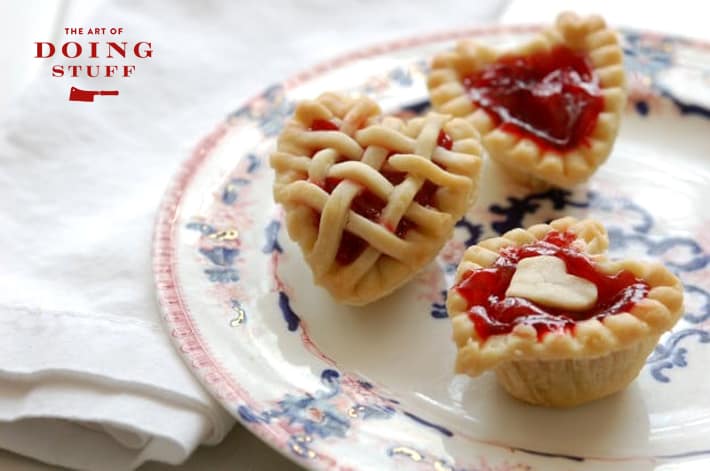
548	110
558	322
544	280
371	199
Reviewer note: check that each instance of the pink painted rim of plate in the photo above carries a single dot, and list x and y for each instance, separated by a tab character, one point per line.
184	333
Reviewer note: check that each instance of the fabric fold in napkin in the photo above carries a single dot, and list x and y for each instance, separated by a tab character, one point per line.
88	378
98	392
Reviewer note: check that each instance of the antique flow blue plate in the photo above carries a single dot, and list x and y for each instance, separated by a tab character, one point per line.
337	387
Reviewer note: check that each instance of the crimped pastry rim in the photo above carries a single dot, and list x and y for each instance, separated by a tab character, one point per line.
591	338
589	35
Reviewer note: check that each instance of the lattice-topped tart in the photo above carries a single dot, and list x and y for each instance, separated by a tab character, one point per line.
371	199
558	322
548	110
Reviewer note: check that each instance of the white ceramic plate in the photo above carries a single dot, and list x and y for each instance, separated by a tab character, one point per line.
337	387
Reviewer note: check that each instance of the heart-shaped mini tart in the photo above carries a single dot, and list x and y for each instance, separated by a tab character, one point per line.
371	199
583	334
549	110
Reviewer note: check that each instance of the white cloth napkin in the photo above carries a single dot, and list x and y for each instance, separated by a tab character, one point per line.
88	378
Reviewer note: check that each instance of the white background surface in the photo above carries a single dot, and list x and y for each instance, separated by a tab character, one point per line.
22	22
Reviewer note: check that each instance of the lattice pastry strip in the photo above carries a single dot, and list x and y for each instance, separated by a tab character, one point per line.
371	199
525	157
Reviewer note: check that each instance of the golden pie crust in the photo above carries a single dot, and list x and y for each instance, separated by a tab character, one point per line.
567	368
366	144
522	157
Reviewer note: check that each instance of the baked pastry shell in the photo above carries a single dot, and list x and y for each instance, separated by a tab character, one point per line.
524	158
392	260
591	338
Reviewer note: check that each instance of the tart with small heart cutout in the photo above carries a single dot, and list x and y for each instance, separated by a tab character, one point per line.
558	322
371	199
548	111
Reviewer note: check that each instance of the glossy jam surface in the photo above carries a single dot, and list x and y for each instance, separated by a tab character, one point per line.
551	97
492	313
368	205
323	125
444	140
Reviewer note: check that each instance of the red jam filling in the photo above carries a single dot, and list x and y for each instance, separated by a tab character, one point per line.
550	97
492	313
323	125
444	140
368	205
